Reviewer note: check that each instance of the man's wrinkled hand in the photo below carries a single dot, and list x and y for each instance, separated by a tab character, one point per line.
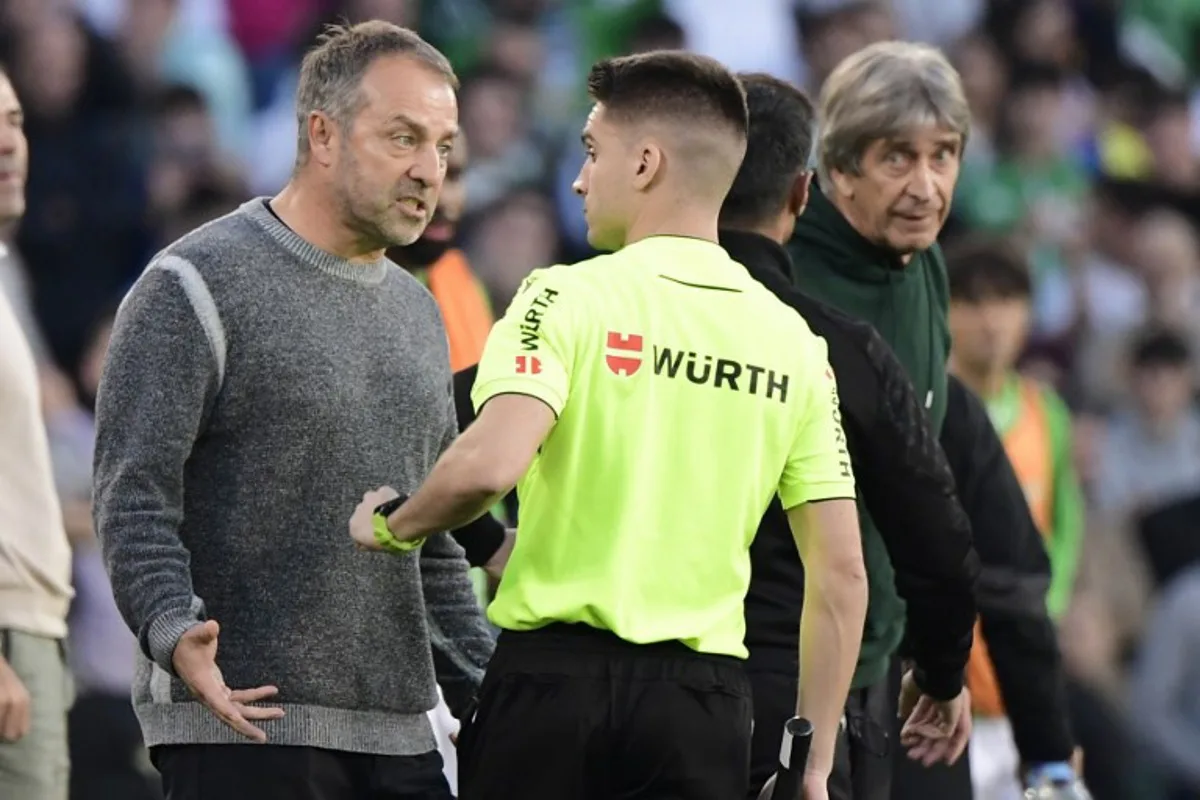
934	730
15	717
362	521
195	662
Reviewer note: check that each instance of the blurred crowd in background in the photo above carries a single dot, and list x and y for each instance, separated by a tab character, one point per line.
147	118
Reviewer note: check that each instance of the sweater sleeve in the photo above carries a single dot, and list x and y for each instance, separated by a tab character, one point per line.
160	379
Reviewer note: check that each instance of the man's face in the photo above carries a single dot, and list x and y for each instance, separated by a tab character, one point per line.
393	158
1162	391
902	197
604	182
989	335
14	154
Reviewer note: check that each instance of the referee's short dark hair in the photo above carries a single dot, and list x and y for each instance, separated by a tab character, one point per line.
779	146
985	268
332	71
670	85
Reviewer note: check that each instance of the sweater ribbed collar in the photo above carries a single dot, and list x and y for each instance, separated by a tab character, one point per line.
371	273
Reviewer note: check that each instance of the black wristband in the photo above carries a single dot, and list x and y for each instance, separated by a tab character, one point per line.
480	539
940	686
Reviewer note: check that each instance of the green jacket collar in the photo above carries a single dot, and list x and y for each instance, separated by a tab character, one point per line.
823	233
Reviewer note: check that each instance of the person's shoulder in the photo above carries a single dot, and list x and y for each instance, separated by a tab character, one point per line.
210	248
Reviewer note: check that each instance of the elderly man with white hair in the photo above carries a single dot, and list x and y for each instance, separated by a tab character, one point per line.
893	123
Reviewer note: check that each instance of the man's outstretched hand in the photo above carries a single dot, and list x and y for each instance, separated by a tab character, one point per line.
195	662
933	730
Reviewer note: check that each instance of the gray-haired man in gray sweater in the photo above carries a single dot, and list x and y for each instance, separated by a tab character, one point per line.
263	370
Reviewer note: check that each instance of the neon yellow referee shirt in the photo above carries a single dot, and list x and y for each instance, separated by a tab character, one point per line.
687	396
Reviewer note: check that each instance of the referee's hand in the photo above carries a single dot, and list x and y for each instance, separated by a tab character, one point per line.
362	521
195	662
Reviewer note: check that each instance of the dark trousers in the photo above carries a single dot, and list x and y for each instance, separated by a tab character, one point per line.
862	768
912	781
107	755
569	712
273	772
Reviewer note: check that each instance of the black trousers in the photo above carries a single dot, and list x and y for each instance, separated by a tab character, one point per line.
274	772
912	781
572	712
862	768
107	751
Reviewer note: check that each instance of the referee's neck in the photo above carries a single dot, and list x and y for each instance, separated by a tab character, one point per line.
682	222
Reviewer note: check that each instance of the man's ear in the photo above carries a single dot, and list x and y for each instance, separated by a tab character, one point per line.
323	136
842	184
798	197
649	165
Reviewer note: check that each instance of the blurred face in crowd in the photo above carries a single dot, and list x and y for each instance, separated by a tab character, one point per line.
492	115
901	197
1034	116
516	232
983	76
606	181
392	160
14	154
988	335
1162	391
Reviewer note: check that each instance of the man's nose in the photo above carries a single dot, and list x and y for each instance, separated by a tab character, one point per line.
923	185
10	137
426	168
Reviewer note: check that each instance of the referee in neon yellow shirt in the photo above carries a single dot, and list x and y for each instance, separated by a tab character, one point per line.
650	403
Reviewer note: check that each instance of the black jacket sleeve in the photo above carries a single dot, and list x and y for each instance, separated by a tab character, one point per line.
908	489
1021	638
483	537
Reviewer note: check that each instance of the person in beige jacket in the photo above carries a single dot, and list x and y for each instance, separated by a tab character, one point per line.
35	557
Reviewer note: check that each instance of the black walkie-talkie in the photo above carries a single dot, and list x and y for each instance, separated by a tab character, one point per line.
787	783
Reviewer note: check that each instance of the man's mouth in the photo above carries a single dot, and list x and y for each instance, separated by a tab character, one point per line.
413	205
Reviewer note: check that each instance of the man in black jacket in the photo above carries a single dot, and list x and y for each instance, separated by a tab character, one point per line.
901	473
1021	638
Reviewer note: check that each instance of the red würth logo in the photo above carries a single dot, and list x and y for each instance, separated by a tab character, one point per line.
528	365
628	357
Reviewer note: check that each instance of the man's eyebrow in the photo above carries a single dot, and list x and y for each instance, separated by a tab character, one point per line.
404	119
586	138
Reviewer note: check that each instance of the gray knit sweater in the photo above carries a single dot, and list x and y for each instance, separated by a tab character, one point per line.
255	387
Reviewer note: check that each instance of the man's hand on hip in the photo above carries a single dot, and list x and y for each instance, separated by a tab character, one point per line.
14	704
195	662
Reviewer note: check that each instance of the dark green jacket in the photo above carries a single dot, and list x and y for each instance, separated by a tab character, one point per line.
908	304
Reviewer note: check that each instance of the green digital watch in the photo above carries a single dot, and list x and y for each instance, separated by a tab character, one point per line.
383	534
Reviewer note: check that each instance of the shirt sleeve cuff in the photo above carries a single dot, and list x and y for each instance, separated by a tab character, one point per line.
940	686
816	492
498	386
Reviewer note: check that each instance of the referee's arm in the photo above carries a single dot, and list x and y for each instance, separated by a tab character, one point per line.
909	491
1022	641
521	387
817	490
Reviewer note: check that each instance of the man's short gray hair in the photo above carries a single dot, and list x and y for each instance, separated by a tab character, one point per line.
332	71
885	90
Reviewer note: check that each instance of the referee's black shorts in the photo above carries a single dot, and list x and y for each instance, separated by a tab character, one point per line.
572	713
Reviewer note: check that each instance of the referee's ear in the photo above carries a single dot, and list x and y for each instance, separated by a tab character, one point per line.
798	196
